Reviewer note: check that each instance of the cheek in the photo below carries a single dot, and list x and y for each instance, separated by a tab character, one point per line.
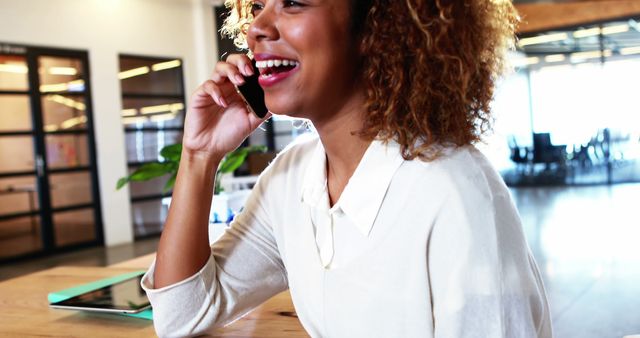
299	34
316	34
321	45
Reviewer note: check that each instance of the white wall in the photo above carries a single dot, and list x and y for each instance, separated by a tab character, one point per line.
106	28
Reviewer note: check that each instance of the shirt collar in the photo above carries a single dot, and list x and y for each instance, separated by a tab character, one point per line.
365	191
314	184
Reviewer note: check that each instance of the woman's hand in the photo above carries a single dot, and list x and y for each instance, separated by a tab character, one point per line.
218	120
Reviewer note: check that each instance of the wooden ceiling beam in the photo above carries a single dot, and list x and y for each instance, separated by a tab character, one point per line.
537	17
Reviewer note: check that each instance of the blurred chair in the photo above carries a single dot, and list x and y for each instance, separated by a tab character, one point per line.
544	152
519	155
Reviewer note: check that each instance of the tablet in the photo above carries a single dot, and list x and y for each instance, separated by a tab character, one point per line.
126	296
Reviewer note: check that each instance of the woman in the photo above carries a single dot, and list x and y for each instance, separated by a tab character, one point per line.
389	223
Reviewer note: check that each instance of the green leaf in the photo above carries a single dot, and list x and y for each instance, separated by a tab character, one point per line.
171	155
218	188
122	182
170	183
151	170
172	152
235	159
256	149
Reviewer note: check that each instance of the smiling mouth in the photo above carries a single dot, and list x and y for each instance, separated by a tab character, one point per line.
269	68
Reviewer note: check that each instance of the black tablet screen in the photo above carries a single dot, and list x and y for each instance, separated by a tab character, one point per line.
125	295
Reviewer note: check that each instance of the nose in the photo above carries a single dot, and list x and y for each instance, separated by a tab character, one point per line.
264	25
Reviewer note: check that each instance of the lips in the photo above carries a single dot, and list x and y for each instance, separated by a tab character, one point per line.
274	69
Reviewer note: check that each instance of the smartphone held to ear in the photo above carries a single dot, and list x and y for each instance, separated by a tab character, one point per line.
252	93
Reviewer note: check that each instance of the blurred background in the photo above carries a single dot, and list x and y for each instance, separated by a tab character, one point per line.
91	90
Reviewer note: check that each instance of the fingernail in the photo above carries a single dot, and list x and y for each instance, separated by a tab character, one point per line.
239	78
222	101
248	69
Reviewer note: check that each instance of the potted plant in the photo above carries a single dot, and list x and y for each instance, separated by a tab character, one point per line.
169	166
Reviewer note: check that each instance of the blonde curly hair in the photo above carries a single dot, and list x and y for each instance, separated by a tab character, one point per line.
429	67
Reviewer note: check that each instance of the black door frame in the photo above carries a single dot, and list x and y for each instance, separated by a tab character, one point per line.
42	172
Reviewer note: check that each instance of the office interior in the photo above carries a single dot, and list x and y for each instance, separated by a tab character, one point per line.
90	91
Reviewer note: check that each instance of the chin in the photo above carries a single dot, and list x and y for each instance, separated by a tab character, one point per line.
282	108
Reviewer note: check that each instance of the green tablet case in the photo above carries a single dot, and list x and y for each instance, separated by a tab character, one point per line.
61	295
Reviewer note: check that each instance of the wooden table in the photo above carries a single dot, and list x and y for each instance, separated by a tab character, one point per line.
24	311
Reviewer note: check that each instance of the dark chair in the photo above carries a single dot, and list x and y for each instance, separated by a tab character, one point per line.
546	153
519	155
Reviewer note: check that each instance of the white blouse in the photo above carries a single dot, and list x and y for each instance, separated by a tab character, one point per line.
411	249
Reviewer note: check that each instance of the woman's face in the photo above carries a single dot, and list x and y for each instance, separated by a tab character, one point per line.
305	54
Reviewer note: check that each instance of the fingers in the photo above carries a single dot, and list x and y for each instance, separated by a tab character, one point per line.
210	88
235	69
242	62
219	87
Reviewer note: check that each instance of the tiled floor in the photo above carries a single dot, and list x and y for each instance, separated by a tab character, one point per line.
586	241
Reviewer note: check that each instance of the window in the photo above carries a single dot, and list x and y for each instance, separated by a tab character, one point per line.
575	91
153	117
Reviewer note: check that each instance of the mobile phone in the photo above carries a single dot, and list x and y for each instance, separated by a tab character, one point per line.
252	93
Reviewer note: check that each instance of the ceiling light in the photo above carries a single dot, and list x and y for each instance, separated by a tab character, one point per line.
129	112
630	50
174	107
177	106
68	102
155	109
555	58
163	117
166	65
72	86
615	29
133	72
50	128
596	54
55	87
76	86
134	120
72	122
63	71
583	33
9	68
542	39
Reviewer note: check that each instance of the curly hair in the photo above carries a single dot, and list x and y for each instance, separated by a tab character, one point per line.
429	67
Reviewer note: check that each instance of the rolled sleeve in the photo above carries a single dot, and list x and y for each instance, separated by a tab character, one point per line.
243	271
182	309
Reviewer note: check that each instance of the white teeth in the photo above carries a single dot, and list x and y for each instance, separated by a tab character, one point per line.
276	63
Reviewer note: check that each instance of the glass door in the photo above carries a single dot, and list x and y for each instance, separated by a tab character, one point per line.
20	221
68	159
48	158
